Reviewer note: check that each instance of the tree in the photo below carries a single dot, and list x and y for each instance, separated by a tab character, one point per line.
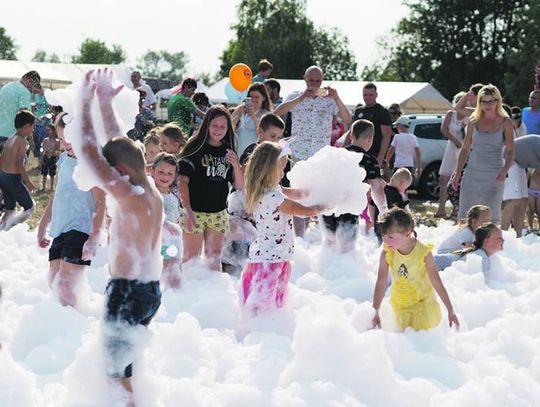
8	49
280	31
97	52
453	44
41	56
164	65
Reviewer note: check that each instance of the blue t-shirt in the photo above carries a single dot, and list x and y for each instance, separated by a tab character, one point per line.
13	97
531	120
72	208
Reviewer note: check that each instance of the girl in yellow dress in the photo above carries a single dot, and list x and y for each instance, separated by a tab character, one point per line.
414	276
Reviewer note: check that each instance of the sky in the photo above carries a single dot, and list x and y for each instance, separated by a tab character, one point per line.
201	28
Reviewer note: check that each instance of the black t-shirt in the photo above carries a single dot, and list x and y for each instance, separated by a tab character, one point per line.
394	197
368	162
377	115
247	153
209	177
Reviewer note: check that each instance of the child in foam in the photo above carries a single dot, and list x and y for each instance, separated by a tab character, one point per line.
266	276
164	173
207	166
75	217
414	276
464	237
488	241
135	206
49	157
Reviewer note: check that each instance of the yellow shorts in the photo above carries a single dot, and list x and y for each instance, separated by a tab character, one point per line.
422	315
218	221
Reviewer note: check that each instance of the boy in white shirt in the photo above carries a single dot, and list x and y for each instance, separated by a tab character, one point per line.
405	146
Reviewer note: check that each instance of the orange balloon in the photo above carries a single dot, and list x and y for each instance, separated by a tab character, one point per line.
240	77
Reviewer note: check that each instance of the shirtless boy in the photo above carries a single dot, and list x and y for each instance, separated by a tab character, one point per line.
136	209
14	181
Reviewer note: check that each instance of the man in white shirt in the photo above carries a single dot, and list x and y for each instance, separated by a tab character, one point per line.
150	99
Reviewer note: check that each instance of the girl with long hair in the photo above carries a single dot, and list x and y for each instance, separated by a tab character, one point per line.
208	164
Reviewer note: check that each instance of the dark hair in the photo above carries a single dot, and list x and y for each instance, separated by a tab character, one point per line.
167	158
200	98
516	110
396	107
196	141
482	233
264	65
273	83
362	128
32	76
24	117
475	88
173	132
123	150
259	87
271	120
189	83
396	218
507	109
370	85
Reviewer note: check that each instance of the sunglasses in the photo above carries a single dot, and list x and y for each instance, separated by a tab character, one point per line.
489	102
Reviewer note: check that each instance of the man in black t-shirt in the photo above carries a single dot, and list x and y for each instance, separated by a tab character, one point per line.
379	116
342	230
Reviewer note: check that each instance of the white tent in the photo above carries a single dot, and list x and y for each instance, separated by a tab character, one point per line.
53	75
413	97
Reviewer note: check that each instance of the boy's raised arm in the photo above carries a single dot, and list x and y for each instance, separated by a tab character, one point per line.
106	93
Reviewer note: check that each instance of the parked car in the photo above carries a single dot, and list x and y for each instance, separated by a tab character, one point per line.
427	128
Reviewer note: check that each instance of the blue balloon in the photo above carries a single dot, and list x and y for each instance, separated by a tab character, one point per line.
233	95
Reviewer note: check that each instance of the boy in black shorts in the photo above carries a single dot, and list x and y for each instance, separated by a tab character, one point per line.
136	209
341	231
49	157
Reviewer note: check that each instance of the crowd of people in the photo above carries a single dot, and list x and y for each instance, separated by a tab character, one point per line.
212	184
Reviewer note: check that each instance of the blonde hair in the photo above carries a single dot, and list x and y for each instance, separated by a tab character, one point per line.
402	174
152	137
475	212
488	90
262	172
457	97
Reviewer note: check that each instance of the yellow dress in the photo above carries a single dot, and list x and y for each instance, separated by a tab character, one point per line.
411	295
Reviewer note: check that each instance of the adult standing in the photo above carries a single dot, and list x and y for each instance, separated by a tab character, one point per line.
246	116
312	113
453	128
274	88
531	114
138	83
15	96
488	131
379	116
181	108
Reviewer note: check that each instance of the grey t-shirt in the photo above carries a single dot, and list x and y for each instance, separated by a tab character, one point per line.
528	151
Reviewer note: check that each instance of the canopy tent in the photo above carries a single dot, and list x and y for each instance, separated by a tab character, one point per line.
413	97
54	76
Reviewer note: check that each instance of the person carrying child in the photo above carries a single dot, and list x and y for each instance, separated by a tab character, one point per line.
414	276
164	173
266	276
208	163
405	146
135	206
14	181
75	217
49	157
477	215
488	240
342	230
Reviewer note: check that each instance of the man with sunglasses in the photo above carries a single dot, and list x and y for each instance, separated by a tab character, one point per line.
531	115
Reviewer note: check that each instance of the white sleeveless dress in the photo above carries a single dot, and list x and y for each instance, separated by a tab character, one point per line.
456	129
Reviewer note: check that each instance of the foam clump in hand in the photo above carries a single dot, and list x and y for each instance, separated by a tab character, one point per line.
334	180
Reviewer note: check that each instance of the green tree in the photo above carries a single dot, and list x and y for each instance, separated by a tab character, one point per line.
8	49
163	64
453	44
97	52
280	31
41	56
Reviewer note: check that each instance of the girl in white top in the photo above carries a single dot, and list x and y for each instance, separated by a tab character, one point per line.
453	128
463	238
246	116
266	275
